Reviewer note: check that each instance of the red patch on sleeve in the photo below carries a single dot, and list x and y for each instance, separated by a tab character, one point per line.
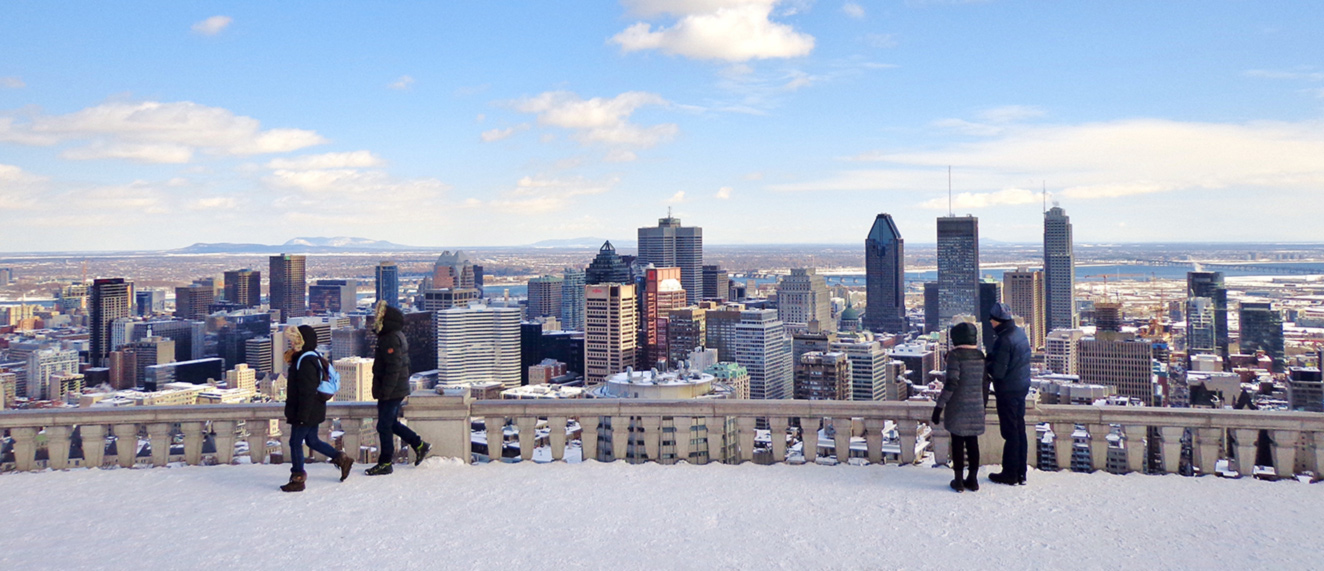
390	351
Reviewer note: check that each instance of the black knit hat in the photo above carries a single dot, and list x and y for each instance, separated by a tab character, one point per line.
964	334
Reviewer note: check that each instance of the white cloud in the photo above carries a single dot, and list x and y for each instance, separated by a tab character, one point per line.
853	10
1012	113
798	79
677	198
499	134
620	156
599	120
1105	160
881	40
402	84
214	203
19	189
212	26
1300	74
536	195
723	193
352	159
721	30
155	132
974	200
12	82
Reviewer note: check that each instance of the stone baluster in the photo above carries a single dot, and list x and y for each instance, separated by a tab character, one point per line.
745	427
25	448
57	447
496	437
257	440
841	427
528	426
1063	442
908	433
652	426
1171	448
1135	447
224	438
351	441
1205	448
323	434
556	437
1317	441
777	431
684	434
1284	451
588	437
941	442
94	444
192	442
285	447
126	444
1246	439
715	437
809	438
158	433
1031	445
1099	446
620	437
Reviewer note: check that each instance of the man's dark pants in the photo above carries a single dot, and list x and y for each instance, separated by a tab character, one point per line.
389	426
1011	422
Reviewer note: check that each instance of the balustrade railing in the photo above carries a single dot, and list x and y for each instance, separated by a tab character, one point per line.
698	431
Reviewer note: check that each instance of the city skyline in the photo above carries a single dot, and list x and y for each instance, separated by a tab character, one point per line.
504	125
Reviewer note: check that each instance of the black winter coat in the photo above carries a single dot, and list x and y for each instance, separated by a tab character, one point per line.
303	405
390	365
1009	361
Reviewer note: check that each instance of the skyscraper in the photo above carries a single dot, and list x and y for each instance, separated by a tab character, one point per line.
479	343
761	346
611	325
802	297
454	271
1262	330
958	268
1210	285
288	285
990	294
572	299
388	283
715	283
1059	272
823	376
333	296
1201	338
607	267
243	287
671	245
662	294
885	277
191	302
545	296
1023	291
110	300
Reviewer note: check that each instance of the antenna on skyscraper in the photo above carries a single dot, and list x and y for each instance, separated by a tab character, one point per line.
1044	194
950	212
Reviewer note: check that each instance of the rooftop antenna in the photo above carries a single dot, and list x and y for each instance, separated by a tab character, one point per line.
950	212
1044	194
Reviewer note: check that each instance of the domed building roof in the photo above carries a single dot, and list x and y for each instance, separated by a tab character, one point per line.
850	314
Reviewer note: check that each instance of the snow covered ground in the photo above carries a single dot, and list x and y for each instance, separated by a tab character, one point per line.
617	516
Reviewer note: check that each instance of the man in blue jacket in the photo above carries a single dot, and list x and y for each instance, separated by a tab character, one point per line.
1008	366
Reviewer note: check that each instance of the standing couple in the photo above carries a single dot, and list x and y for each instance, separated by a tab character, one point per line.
965	391
305	407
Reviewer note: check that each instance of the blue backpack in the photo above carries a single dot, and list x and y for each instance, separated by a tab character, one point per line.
330	384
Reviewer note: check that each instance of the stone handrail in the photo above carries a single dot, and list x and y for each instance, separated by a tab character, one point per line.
667	431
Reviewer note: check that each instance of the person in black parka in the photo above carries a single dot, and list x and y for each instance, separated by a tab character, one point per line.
1009	369
962	400
305	407
390	386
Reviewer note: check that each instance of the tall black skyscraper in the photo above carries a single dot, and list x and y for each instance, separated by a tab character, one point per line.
1210	285
289	285
990	294
388	283
958	268
671	245
243	287
1262	330
1059	271
109	300
607	267
885	276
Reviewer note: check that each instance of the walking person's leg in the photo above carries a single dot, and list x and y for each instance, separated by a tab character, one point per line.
1020	440
972	452
408	436
958	461
297	476
319	446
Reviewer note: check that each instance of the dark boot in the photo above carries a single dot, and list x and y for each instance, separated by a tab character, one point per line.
345	463
957	485
1008	479
296	482
381	469
421	452
972	481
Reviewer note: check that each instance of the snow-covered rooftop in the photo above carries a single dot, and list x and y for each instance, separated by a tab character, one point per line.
619	516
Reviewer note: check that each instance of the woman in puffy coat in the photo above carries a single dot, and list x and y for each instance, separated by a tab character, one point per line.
962	399
305	407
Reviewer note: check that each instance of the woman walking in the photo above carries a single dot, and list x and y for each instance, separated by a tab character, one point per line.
962	397
305	407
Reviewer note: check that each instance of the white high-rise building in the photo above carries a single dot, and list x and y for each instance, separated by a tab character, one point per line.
355	379
1061	351
802	297
479	343
762	347
42	365
611	330
869	372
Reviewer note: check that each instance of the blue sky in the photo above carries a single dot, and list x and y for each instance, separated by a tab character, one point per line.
157	125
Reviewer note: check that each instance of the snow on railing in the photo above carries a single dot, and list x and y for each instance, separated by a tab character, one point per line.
697	431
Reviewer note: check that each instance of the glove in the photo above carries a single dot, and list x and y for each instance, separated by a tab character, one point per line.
937	414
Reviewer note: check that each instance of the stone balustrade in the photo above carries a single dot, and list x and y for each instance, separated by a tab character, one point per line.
698	431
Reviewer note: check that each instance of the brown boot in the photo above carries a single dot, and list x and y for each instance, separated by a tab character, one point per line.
345	463
296	482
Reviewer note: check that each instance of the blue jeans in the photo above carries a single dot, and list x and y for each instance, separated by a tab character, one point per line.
1011	422
389	426
300	435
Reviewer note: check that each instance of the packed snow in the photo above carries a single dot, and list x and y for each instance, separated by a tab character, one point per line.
444	514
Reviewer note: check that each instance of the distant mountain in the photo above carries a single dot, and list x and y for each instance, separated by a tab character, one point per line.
345	242
303	245
585	242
